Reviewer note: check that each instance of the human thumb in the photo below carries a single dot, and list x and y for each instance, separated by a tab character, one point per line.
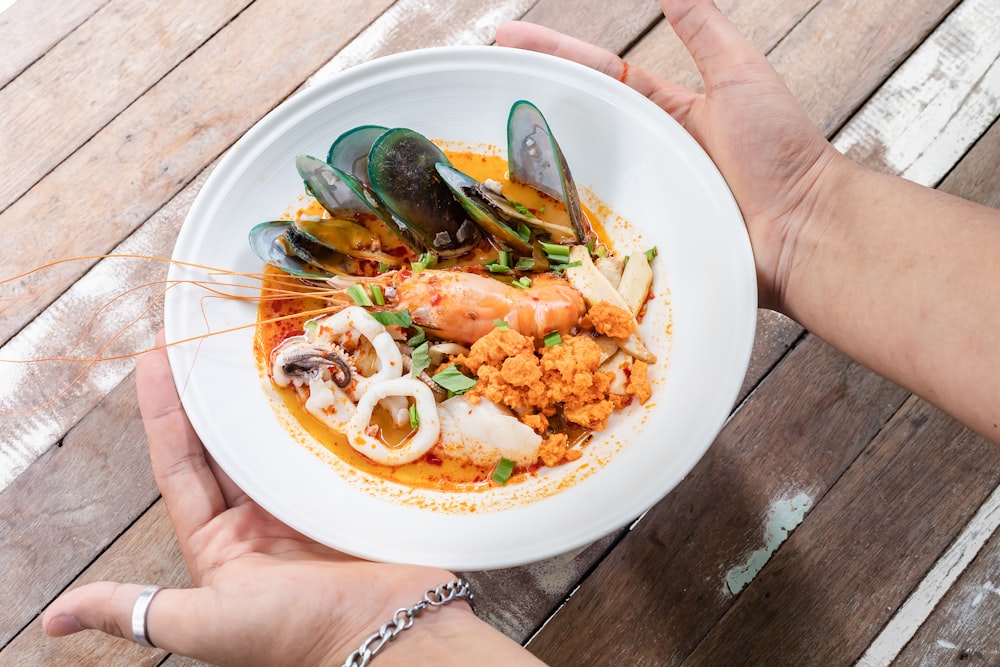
108	606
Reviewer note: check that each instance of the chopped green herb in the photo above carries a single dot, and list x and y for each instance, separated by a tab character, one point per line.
601	251
552	339
525	264
503	471
524	282
377	296
498	268
359	295
425	261
522	209
414	417
651	253
454	380
417	338
554	249
311	325
562	267
500	324
420	359
382	267
524	231
388	318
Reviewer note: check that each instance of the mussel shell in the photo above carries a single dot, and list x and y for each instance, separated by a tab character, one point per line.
470	194
349	153
343	195
313	253
402	174
328	186
535	159
269	242
345	237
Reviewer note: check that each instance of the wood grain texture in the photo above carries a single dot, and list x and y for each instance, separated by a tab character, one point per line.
629	642
26	428
590	21
147	553
780	445
68	507
111	185
895	510
937	104
98	83
965	628
29	28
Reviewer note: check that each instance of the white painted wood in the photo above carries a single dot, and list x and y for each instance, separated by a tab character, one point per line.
938	103
393	31
918	607
26	430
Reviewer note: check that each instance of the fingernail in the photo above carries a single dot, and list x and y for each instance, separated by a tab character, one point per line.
63	625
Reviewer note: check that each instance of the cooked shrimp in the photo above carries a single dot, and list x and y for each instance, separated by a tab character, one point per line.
461	306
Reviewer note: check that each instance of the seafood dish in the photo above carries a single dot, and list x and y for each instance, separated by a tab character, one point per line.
448	319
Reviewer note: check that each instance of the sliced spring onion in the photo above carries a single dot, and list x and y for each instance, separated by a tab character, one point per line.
568	265
359	295
554	249
398	318
651	253
503	471
414	417
552	339
310	325
500	324
454	380
522	209
420	359
377	295
502	265
525	264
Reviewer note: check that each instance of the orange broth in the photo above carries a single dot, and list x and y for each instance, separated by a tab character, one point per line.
430	471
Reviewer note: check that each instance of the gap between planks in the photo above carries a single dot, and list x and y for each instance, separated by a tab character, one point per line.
919	125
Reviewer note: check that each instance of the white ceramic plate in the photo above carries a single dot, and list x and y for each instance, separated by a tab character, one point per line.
624	151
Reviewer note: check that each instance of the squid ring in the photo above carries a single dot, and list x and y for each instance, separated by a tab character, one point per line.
409	450
355	318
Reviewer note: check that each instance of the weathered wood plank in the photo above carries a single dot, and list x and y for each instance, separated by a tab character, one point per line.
836	581
393	31
70	505
937	104
590	21
661	51
147	553
29	28
705	537
102	192
96	82
655	634
551	579
974	178
965	627
26	429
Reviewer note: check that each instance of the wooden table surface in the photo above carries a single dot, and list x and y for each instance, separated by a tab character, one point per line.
836	520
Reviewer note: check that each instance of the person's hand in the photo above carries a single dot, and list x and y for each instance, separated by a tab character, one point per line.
264	595
769	152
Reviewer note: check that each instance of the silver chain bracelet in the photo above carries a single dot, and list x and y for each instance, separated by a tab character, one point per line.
403	619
